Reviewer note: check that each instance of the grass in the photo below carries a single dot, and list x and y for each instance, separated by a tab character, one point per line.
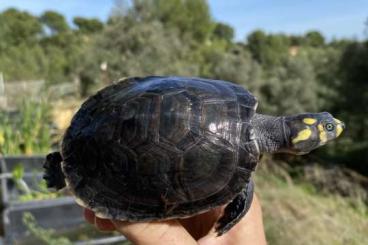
27	131
27	193
296	214
46	236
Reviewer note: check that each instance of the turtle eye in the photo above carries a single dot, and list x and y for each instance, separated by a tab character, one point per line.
329	126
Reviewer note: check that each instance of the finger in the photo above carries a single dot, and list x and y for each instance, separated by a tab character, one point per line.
152	233
89	216
200	225
249	230
104	224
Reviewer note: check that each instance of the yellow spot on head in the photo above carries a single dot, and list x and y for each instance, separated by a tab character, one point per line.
302	135
338	130
309	121
323	137
337	121
322	134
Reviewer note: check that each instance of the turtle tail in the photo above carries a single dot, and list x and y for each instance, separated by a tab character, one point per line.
53	175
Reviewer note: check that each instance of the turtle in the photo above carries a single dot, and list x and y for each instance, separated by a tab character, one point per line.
168	147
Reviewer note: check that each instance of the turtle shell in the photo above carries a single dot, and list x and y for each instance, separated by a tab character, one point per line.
160	147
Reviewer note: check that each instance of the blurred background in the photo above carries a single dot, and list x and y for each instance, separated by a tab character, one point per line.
294	56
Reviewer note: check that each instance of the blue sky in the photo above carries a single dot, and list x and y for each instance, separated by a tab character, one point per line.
334	18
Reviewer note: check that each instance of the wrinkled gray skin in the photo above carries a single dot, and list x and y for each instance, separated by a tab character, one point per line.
170	147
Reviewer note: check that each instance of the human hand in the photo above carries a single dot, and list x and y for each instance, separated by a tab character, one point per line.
194	230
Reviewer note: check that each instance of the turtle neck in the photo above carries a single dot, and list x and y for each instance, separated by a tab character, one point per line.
271	132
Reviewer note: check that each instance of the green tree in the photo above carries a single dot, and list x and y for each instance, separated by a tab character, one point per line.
142	49
352	105
54	21
340	44
354	89
236	65
18	27
88	26
191	18
223	31
325	62
296	40
22	62
20	55
290	88
256	43
268	50
314	39
64	48
27	53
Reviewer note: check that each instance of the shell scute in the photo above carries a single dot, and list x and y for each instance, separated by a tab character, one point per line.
175	117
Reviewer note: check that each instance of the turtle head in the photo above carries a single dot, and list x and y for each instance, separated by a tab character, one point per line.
309	131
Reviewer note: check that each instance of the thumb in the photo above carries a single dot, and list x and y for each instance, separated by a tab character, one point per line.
155	233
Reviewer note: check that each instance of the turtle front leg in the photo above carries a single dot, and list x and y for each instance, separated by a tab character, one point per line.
235	210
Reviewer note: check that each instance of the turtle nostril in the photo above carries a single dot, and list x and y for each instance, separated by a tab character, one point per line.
343	125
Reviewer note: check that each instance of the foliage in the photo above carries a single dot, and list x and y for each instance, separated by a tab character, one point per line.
19	54
190	17
235	64
42	194
354	90
28	132
18	172
22	61
325	63
314	39
42	47
54	21
88	26
268	50
18	27
352	102
298	210
46	236
176	28
17	175
120	44
29	194
223	31
295	78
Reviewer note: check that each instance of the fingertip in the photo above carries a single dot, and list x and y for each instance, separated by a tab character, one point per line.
89	216
104	224
202	224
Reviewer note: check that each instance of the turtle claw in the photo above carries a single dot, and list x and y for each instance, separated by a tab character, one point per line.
235	210
53	174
